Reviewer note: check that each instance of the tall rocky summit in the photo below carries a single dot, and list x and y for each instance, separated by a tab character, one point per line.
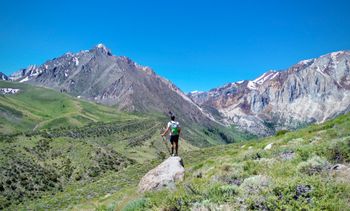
97	75
310	91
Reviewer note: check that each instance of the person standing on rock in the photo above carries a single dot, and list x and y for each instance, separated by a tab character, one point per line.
175	129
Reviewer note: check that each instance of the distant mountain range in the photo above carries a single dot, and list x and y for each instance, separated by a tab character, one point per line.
311	91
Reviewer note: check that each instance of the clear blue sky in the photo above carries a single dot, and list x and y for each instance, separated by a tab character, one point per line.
196	44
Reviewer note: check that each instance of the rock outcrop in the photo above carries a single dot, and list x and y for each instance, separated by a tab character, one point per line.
165	175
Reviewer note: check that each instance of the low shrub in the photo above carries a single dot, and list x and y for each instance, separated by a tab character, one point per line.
313	166
281	132
254	190
340	152
222	193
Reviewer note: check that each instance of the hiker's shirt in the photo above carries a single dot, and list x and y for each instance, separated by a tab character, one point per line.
174	128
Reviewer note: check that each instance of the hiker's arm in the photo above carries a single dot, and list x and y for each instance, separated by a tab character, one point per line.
179	130
166	131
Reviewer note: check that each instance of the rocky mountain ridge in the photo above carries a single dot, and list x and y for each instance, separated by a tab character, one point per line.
310	91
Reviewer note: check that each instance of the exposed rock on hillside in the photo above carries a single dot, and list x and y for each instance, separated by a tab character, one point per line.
165	175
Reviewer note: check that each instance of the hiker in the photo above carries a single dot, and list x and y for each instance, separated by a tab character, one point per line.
175	129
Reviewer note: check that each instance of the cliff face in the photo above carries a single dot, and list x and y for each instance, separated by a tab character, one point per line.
310	91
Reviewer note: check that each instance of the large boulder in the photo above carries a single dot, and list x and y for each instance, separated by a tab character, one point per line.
163	176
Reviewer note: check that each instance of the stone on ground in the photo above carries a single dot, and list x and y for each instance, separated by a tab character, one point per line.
269	146
165	175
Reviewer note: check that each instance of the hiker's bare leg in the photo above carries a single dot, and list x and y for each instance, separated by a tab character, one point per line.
172	148
176	147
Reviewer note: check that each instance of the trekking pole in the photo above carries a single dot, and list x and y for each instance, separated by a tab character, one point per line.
166	145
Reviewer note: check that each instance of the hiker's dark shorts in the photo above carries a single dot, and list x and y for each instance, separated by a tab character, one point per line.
174	138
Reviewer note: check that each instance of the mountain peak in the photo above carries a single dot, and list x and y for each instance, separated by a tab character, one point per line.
100	45
103	49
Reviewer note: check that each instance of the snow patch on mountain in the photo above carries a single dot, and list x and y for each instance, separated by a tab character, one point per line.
274	75
100	45
320	71
266	77
9	91
76	61
306	62
24	79
252	85
196	92
262	78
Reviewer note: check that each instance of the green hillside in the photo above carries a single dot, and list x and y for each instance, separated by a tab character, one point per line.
36	108
295	174
55	144
84	156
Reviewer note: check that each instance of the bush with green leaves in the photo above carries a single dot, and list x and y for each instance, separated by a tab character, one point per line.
21	178
253	188
313	166
281	132
232	174
222	193
339	152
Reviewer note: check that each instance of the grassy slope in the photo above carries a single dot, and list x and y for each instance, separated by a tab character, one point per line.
224	175
98	164
54	144
78	165
244	175
37	108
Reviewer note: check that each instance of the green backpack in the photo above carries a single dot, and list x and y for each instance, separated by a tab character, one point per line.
174	127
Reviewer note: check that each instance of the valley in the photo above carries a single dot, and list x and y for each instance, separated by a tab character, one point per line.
81	130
